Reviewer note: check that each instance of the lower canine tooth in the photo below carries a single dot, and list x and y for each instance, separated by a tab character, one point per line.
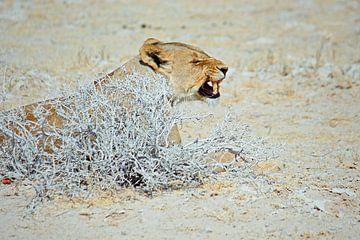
215	87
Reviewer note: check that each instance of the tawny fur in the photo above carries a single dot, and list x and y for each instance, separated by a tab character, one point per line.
186	67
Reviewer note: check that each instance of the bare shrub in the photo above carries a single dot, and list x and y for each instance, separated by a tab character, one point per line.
113	137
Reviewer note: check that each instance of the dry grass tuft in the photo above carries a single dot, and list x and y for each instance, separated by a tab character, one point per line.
117	137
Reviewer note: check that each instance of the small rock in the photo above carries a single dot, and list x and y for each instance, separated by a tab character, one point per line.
267	166
343	190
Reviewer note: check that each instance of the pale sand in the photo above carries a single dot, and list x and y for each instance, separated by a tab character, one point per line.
281	82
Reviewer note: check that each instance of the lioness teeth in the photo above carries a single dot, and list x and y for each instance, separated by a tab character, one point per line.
215	87
209	83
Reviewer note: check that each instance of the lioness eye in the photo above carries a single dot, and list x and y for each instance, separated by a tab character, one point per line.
195	61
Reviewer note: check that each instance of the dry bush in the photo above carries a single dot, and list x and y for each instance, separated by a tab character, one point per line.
116	136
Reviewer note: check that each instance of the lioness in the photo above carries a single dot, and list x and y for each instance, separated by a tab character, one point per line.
192	75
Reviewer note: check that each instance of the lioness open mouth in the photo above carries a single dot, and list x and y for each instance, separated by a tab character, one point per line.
210	89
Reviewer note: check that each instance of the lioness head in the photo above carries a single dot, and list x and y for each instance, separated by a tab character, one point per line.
191	72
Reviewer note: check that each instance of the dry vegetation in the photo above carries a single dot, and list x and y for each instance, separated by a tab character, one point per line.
117	136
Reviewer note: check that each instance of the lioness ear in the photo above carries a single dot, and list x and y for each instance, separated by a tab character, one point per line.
153	55
151	41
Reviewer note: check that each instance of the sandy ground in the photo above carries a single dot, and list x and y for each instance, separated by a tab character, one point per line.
294	77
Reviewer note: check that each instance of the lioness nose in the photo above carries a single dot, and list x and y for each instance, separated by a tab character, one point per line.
223	69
